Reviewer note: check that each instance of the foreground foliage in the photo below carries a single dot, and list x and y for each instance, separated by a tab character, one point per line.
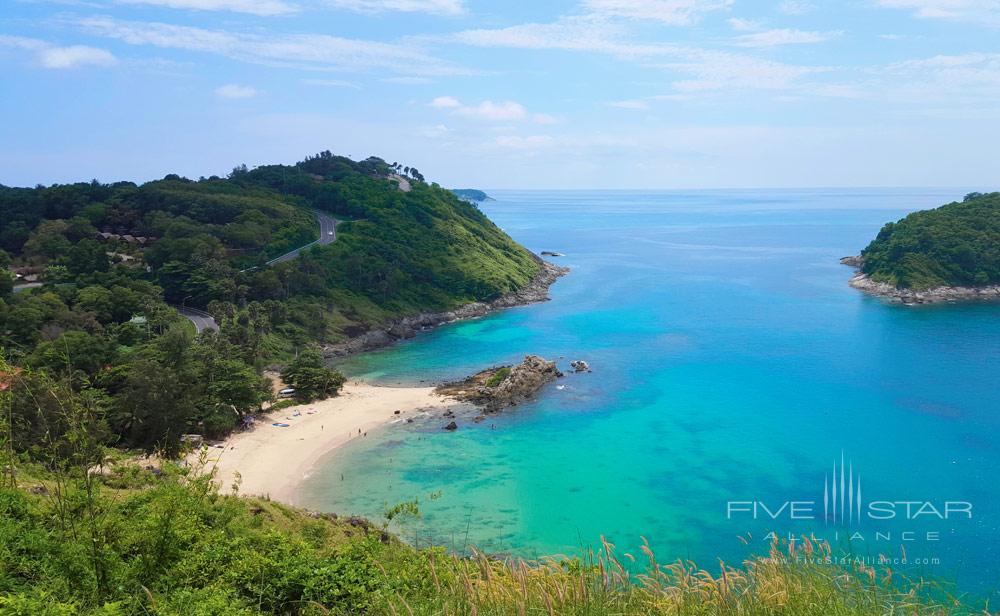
170	545
90	532
954	245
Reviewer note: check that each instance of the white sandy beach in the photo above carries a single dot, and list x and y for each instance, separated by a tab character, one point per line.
272	461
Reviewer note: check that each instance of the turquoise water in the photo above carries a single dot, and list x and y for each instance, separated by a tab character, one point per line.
731	363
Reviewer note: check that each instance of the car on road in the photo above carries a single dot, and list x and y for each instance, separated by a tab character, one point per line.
329	232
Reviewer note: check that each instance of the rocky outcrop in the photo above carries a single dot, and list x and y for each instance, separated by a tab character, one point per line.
503	386
913	297
856	261
580	366
535	291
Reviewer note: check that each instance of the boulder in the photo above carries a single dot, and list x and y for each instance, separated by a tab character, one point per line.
580	366
502	386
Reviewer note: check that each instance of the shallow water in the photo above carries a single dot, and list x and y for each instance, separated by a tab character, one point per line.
731	363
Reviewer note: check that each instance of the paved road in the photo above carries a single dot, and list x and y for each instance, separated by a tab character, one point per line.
201	319
327	235
28	285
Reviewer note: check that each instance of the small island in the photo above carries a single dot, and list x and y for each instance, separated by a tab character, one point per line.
951	253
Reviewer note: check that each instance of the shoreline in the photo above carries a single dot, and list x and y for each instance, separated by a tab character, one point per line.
272	462
537	290
913	297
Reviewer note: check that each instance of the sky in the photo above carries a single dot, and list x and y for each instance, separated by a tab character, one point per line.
642	94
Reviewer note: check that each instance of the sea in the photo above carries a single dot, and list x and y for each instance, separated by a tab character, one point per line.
740	392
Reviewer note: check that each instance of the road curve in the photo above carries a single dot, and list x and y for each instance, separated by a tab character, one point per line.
327	235
201	319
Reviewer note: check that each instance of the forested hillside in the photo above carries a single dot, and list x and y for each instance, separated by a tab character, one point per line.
954	245
98	267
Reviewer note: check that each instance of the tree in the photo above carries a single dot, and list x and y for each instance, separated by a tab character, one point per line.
6	283
154	406
73	353
310	378
85	257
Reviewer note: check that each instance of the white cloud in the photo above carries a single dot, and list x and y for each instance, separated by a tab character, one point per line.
964	85
232	90
795	7
331	83
524	143
434	7
965	78
676	12
491	111
743	25
22	42
438	131
52	56
980	11
408	81
76	55
784	36
582	33
488	110
634	104
712	70
701	70
263	8
307	51
445	102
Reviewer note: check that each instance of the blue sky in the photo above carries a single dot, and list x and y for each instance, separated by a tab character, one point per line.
576	93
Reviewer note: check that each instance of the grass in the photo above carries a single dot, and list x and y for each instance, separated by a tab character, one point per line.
498	377
170	544
601	585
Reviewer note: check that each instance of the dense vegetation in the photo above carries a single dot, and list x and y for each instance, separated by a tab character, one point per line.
132	542
113	259
85	531
471	194
954	245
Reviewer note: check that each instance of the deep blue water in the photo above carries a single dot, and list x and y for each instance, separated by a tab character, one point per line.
731	363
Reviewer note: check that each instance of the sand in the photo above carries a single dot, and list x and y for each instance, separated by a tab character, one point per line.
273	461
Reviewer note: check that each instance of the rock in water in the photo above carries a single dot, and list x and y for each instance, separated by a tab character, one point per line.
580	366
503	386
451	427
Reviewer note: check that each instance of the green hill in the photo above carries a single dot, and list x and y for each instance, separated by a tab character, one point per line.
111	258
954	245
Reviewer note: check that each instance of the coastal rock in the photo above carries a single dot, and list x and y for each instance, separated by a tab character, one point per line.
855	261
499	387
537	290
451	427
912	297
580	366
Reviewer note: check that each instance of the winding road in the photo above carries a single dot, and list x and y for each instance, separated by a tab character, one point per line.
327	235
201	319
